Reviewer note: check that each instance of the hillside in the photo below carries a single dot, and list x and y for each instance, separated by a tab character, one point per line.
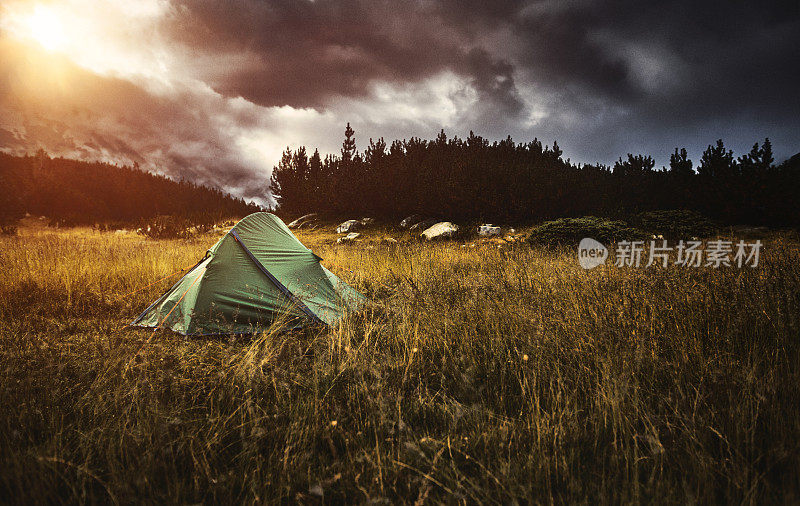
73	192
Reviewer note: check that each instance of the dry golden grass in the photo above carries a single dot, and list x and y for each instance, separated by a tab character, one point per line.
476	375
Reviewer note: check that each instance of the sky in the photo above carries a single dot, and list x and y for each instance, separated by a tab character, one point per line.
214	91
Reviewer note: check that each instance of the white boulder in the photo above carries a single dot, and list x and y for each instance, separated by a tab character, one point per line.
348	226
410	220
299	222
424	224
488	230
348	238
441	230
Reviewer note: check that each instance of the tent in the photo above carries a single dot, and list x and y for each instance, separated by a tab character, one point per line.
256	272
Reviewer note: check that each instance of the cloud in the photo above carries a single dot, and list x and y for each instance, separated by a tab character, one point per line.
214	91
83	115
304	54
680	63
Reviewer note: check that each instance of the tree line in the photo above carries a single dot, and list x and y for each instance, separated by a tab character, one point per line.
73	192
505	181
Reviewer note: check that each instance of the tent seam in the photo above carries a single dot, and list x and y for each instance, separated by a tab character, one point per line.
275	280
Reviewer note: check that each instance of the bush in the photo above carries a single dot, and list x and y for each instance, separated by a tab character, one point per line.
570	231
676	224
166	227
8	229
179	227
111	226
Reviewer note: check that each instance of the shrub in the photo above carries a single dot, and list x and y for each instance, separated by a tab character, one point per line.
570	231
178	227
675	224
111	226
165	227
8	229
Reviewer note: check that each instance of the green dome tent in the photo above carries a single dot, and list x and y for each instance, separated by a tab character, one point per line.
257	271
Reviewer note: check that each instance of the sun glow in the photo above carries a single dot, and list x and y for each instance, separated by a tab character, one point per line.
46	28
112	37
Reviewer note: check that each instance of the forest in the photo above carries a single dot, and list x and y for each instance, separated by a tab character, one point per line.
458	179
505	181
72	192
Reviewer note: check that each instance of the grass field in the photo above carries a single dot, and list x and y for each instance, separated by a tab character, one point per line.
477	375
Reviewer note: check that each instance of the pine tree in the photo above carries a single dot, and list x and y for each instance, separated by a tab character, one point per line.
283	183
349	144
638	164
301	177
345	180
441	139
316	181
680	164
766	155
717	162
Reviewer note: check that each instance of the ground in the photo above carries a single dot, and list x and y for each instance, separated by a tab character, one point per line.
476	374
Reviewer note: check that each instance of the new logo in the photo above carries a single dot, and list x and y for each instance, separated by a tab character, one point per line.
591	253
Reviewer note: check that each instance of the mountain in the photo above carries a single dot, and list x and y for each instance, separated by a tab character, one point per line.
73	192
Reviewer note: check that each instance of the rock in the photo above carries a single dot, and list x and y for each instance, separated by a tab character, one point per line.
367	221
348	238
390	241
488	230
441	230
309	224
299	222
410	220
348	226
422	225
316	490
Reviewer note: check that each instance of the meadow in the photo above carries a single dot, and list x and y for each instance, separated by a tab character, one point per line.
476	374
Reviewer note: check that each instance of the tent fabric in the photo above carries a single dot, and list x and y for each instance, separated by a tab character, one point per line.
257	272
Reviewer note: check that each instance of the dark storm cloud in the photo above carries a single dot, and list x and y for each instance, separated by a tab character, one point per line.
304	53
689	72
679	63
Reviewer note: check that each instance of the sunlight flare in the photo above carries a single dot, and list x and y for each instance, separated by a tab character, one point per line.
107	38
45	28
